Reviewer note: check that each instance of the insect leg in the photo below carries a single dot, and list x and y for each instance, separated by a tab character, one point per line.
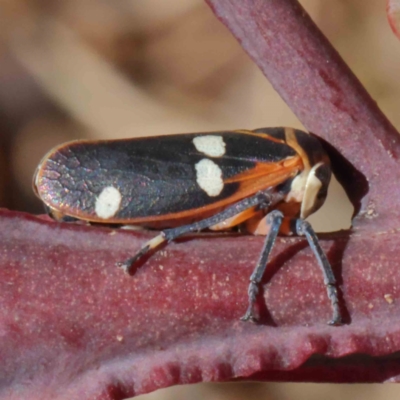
261	199
304	228
274	219
58	216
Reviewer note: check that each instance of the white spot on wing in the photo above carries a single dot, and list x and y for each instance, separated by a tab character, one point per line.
108	202
210	145
209	177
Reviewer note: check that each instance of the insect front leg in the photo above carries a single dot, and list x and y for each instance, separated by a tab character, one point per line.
274	219
303	228
261	199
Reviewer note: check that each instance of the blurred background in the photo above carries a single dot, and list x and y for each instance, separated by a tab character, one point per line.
124	68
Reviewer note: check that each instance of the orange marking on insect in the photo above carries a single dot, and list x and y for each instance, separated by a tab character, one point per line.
234	221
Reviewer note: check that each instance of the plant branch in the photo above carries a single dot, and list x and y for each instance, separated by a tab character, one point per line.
74	326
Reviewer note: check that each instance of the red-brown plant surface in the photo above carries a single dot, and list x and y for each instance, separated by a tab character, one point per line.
73	326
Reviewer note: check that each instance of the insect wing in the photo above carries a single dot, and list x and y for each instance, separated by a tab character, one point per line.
162	178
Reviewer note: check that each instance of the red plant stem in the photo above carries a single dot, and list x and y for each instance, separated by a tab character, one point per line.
73	326
321	90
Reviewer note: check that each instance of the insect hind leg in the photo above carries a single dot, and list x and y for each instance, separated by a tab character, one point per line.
149	246
261	199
